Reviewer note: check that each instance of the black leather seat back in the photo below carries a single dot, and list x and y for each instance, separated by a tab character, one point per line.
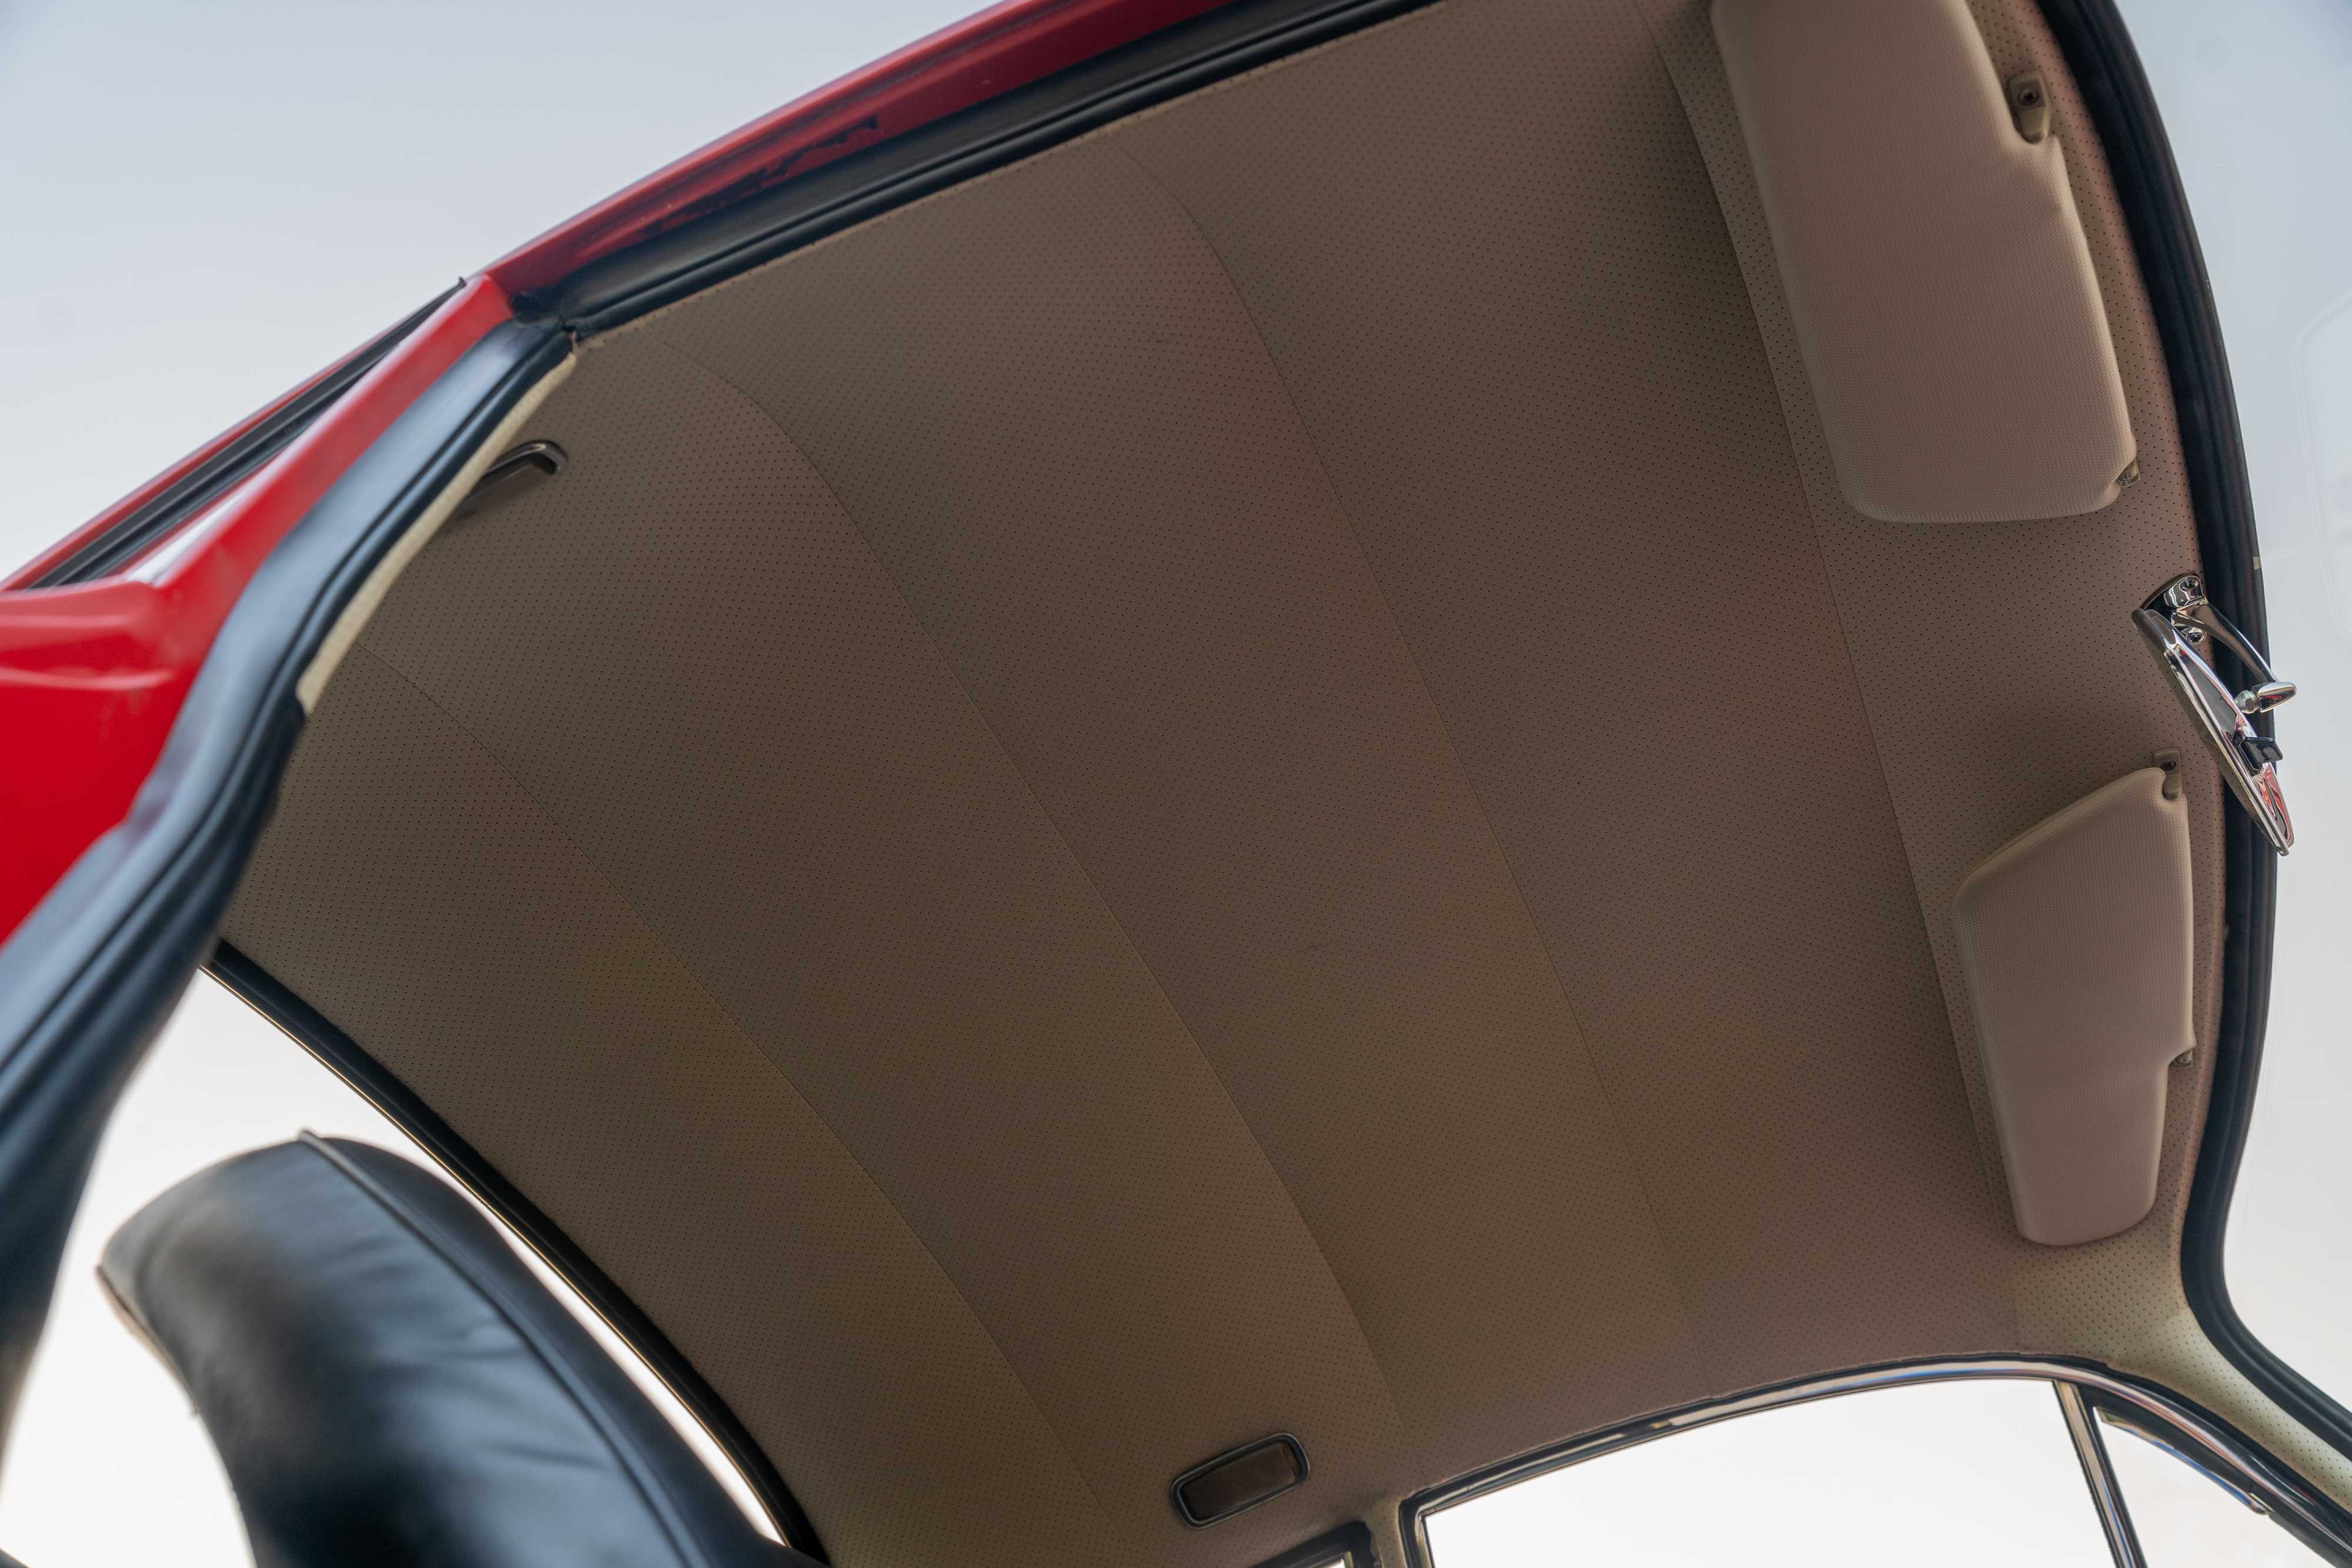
387	1384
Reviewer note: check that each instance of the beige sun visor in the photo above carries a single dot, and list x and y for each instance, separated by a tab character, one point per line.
2077	941
1936	267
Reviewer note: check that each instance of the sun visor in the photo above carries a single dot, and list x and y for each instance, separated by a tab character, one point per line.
1935	268
2076	940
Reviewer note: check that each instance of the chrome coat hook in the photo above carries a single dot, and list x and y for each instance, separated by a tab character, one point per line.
2183	626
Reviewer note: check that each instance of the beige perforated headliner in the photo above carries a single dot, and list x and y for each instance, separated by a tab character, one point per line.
1250	777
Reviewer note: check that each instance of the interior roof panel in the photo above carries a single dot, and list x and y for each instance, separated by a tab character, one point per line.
1249	777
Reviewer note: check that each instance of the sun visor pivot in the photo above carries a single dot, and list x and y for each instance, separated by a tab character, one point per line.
2077	938
1937	274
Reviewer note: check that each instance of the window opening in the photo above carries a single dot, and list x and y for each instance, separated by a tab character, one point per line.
1964	1462
1961	1472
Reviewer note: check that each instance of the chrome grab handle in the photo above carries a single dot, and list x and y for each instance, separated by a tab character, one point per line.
2180	623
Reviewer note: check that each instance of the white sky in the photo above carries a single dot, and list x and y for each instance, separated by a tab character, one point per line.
1941	1475
1938	1475
208	204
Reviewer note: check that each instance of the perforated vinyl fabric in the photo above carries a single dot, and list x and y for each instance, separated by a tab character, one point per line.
1631	721
1246	777
1980	742
866	891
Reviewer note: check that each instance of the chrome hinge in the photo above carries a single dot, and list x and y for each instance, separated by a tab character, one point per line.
2182	627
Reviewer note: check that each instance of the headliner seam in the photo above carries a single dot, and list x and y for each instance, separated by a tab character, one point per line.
1759	290
751	1043
1446	728
1388	1394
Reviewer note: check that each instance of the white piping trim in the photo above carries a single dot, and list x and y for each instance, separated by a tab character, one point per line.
363	606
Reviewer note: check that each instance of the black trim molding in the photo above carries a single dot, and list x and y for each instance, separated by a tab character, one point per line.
2122	105
407	1111
92	974
1221	43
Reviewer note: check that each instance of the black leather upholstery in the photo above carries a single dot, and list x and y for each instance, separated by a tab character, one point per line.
388	1385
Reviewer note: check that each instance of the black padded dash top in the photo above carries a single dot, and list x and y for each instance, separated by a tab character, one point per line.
388	1385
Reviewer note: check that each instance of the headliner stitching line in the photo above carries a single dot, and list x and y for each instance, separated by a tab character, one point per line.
754	404
1792	392
1387	1393
1446	728
751	1042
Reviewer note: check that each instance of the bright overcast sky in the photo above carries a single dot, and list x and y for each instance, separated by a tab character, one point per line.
207	204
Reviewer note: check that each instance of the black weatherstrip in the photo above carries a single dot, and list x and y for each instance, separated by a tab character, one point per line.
216	475
2098	50
90	977
1191	55
402	1107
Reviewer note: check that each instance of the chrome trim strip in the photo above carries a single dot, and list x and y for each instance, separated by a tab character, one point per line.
2311	1518
2122	1422
2099	1475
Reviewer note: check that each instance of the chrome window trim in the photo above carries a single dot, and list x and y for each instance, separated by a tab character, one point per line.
2099	1474
2310	1517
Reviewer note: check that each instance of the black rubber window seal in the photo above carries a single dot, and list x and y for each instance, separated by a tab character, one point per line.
2115	88
216	475
406	1110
